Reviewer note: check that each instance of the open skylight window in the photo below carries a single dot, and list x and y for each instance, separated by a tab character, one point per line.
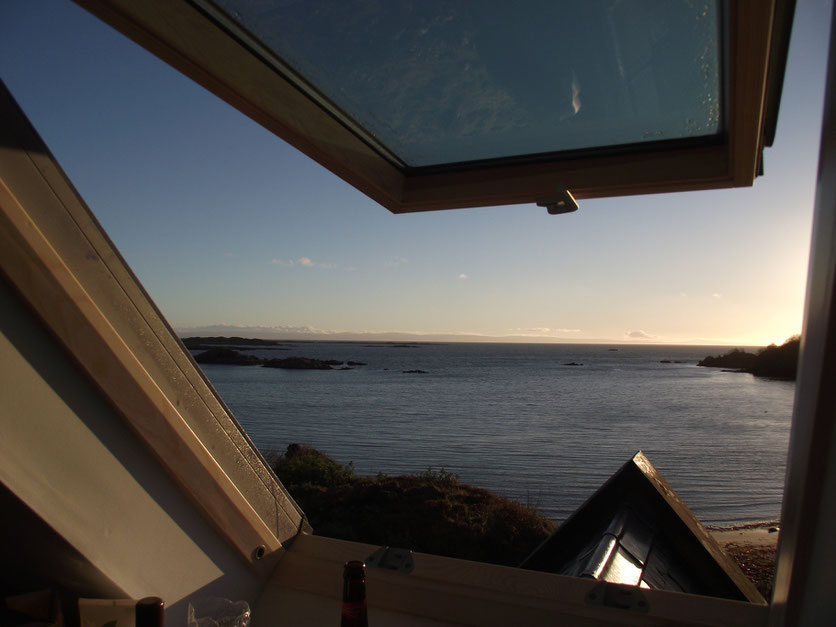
433	84
426	106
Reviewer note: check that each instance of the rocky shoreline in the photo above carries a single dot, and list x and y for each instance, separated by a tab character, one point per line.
775	362
754	547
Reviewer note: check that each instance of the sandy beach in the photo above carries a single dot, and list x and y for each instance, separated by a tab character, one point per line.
753	546
762	534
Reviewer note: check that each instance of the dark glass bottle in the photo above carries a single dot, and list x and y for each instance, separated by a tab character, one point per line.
150	612
354	595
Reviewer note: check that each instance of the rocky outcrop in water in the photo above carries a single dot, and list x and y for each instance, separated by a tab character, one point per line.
299	363
230	356
738	359
226	356
777	362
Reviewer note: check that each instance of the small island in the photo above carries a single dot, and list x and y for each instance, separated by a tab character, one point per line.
301	363
233	357
227	356
775	362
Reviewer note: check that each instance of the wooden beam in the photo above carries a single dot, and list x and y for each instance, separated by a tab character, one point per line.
599	177
462	592
750	41
53	251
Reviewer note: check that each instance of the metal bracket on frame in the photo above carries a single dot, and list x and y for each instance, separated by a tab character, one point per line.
388	558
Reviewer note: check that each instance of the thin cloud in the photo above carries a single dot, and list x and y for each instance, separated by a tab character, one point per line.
536	331
463	276
396	261
716	296
639	335
305	262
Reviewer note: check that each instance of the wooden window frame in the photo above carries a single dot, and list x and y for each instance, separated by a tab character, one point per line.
55	253
184	36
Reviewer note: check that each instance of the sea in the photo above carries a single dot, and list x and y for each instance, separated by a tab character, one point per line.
544	424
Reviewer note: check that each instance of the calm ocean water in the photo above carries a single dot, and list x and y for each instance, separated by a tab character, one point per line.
515	419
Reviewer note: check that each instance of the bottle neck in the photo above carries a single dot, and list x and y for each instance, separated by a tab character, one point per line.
354	596
150	612
354	590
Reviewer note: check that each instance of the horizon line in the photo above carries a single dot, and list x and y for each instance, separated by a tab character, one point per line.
301	334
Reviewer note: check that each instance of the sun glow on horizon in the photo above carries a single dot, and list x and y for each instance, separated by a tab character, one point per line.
244	241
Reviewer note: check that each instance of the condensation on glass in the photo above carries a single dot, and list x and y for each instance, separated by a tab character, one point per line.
439	83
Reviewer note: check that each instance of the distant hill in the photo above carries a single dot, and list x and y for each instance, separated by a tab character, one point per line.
308	334
777	362
198	343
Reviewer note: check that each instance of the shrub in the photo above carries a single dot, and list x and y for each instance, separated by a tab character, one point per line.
305	466
773	361
431	512
441	477
779	361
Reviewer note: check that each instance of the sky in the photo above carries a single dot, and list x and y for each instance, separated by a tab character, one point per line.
231	229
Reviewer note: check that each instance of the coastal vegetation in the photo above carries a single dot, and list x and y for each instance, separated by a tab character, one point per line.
434	512
430	512
777	362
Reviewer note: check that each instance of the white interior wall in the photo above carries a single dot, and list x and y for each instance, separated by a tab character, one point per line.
75	463
803	591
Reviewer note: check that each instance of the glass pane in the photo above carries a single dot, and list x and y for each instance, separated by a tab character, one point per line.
444	82
622	568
